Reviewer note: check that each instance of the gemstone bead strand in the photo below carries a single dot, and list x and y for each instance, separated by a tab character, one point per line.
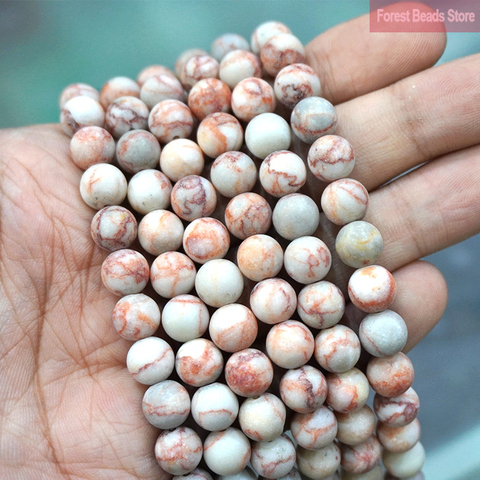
223	220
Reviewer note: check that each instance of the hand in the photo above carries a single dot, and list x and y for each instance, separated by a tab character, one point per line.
69	407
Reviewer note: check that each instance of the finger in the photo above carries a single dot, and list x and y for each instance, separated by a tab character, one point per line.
352	61
429	209
419	118
421	300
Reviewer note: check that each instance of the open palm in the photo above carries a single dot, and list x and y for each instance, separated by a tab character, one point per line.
69	408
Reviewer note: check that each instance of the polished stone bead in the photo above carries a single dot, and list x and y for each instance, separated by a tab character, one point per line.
312	118
125	272
262	418
166	404
178	451
303	389
150	360
359	244
227	452
102	185
136	316
214	407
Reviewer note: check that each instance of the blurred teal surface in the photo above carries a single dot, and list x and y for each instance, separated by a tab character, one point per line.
46	45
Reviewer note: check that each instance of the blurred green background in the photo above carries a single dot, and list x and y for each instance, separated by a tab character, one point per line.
46	45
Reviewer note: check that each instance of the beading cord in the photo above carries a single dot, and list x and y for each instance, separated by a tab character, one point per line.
269	395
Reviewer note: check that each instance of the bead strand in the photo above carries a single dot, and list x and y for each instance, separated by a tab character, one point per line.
244	395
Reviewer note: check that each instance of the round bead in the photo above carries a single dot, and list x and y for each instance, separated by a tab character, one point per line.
103	184
372	289
214	407
184	57
181	158
81	112
90	146
262	418
273	300
399	439
185	317
233	173
249	372
307	259
260	257
304	389
125	114
390	376
355	427
359	244
312	118
114	228
197	68
233	327
197	474
361	458
337	349
290	344
226	43
118	87
166	404
160	231
150	360
281	50
149	190
206	239
265	32
314	430
136	316
273	459
219	282
199	362
227	452
347	392
282	172
179	451
219	133
321	305
322	463
397	411
238	65
252	97
208	96
161	87
295	215
77	90
267	133
331	157
193	197
296	82
248	214
344	201
383	334
152	71
405	464
172	274
125	272
138	150
169	120
376	473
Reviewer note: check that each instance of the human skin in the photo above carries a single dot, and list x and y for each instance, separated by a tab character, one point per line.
68	406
